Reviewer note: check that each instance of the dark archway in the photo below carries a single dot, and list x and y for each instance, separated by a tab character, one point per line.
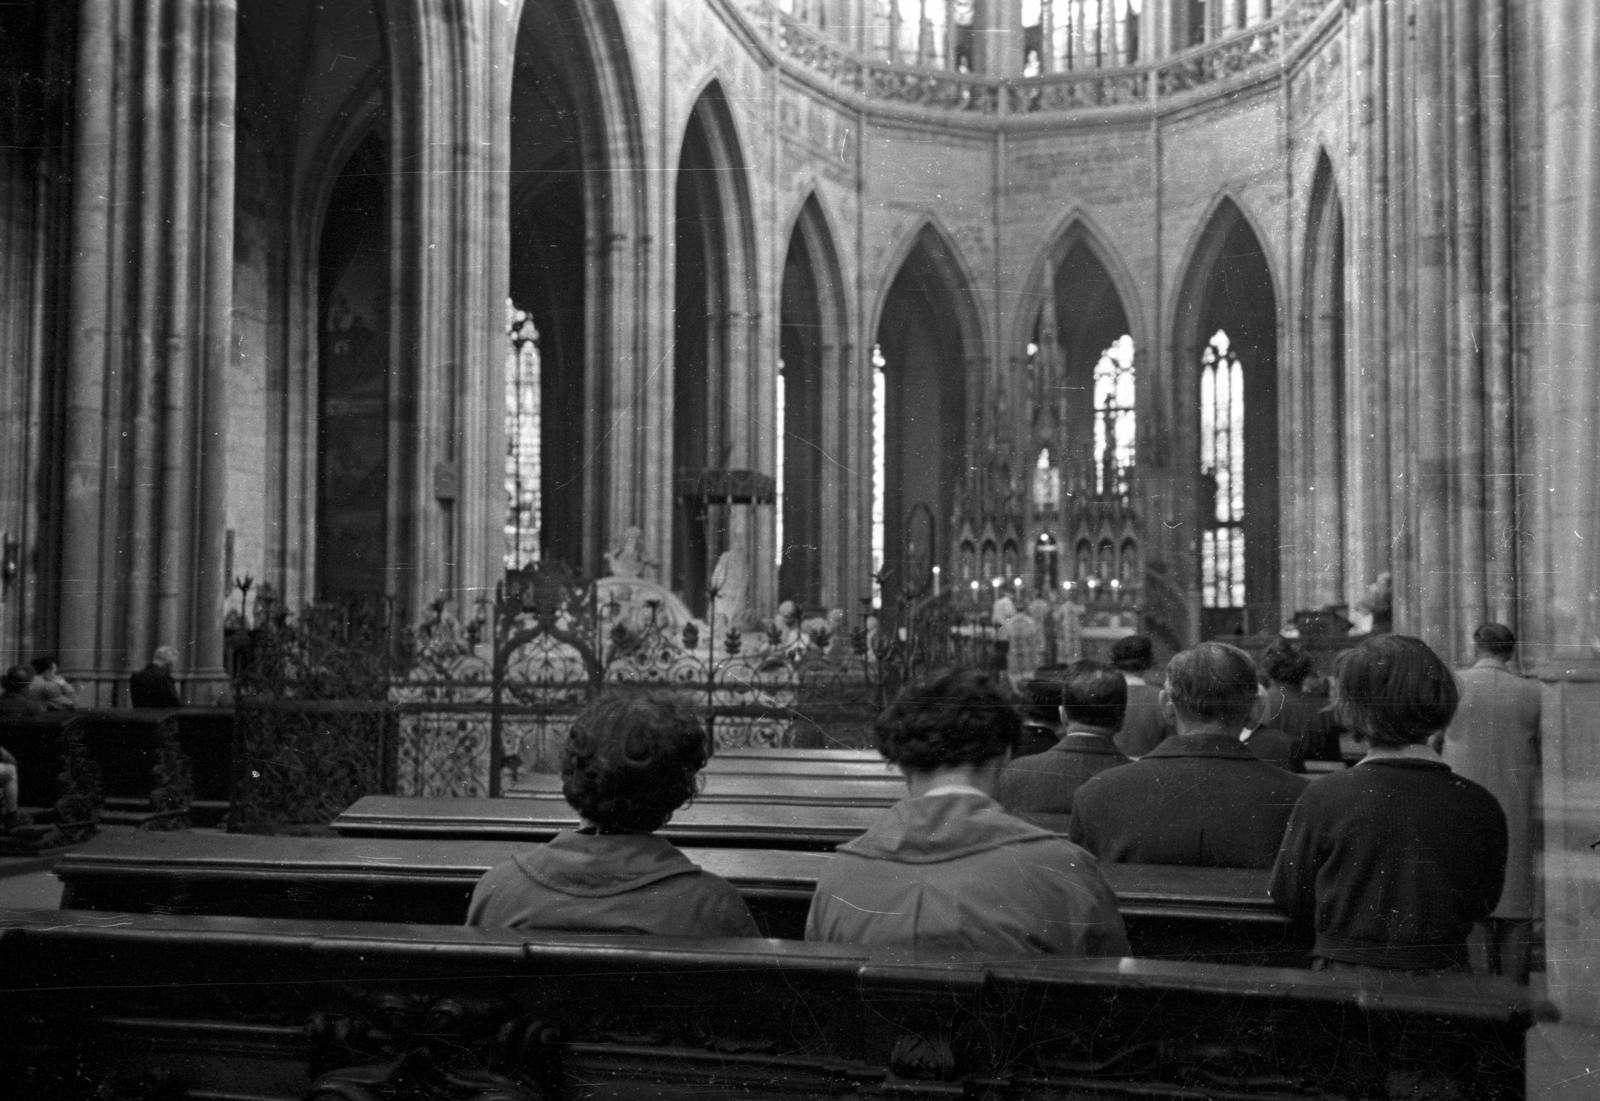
353	382
926	332
553	202
712	280
809	339
1090	319
1227	343
1321	435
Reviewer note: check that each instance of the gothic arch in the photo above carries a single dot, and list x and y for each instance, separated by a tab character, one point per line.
715	309
942	247
1317	413
1228	285
814	354
929	333
1074	229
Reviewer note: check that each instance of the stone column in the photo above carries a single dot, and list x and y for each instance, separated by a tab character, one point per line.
151	316
1559	157
451	71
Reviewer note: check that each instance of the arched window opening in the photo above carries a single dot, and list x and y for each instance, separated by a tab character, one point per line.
1114	425
1222	446
1062	36
880	460
1046	484
931	34
523	439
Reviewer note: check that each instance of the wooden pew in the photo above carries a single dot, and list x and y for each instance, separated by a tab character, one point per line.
57	784
740	825
771	789
146	775
1217	914
119	1005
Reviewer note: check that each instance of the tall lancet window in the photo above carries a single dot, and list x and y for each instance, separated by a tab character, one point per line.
522	439
1221	475
1114	419
880	459
1046	484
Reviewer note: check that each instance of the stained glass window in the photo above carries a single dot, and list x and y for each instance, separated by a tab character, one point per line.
1114	424
1221	475
935	34
522	439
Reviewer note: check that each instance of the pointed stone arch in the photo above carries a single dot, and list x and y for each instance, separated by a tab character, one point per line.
814	357
1229	567
715	307
1316	576
929	331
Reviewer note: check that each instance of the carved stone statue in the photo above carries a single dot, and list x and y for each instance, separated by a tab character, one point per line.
626	556
731	580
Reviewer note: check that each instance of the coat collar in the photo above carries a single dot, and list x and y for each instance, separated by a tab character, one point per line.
1083	738
1202	745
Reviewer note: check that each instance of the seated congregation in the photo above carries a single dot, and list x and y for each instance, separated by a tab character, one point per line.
1388	865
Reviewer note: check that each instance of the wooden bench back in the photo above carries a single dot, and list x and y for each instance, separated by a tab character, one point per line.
160	1005
1220	914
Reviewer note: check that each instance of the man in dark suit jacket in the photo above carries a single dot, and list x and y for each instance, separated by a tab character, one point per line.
153	685
1200	798
1144	726
1040	787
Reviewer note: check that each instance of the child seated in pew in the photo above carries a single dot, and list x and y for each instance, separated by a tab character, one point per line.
1392	861
629	762
946	869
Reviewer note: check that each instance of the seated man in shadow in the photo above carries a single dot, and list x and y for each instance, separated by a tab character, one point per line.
629	762
153	686
1200	798
1145	725
945	869
1039	788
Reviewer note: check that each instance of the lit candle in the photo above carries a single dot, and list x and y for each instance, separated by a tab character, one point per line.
936	581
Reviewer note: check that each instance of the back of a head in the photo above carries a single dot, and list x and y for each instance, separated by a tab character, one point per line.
1094	695
165	655
1285	663
1394	691
631	760
1041	696
1496	640
955	718
16	679
43	664
1133	654
1212	683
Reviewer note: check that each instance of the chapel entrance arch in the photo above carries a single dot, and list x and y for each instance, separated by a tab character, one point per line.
811	349
927	335
1226	345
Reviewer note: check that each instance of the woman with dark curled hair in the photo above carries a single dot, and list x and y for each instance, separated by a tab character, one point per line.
946	869
1392	861
629	762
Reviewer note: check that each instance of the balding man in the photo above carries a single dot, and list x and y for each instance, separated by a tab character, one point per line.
1200	798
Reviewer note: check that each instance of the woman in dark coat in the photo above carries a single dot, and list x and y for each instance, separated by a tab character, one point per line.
1392	861
629	762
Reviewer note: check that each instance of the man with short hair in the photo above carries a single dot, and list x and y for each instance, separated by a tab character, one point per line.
1493	740
1200	798
153	685
1144	726
1092	700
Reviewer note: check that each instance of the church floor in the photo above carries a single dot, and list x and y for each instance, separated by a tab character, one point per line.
1563	1060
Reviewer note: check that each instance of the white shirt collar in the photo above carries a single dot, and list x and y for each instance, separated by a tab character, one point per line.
954	789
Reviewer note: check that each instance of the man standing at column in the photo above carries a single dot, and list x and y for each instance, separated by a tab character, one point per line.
1494	741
